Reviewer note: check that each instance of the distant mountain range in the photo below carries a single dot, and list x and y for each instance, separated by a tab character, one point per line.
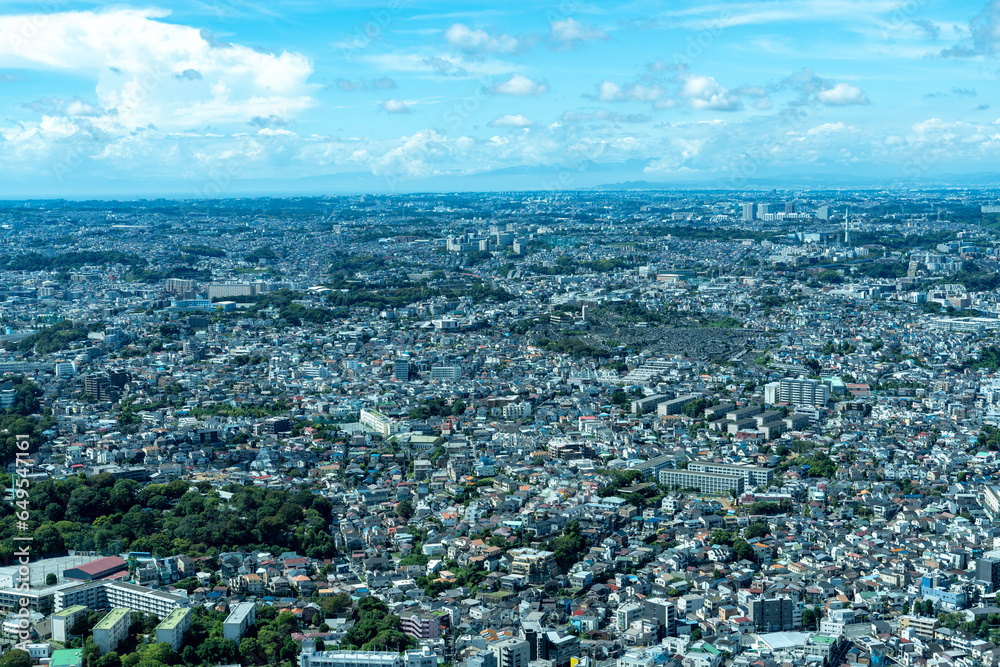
586	175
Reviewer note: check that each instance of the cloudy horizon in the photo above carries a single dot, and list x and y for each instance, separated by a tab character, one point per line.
210	98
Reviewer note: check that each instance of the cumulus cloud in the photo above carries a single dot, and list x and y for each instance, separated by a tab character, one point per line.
984	35
511	120
569	32
476	42
154	73
704	92
520	86
842	94
814	89
393	105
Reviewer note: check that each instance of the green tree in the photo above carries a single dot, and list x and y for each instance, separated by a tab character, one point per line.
404	509
51	579
742	550
15	658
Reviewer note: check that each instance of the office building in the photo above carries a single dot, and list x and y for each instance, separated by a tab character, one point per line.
703	481
789	208
770	614
823	212
111	629
988	570
753	476
172	628
64	621
401	370
241	618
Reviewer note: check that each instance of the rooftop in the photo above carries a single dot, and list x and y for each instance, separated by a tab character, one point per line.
174	618
112	618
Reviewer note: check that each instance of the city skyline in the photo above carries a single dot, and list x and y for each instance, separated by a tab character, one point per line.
229	98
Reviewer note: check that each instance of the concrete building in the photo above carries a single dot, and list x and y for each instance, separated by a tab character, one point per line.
988	570
703	481
511	652
111	629
534	565
796	391
241	618
663	612
378	422
753	476
422	657
771	614
172	628
63	621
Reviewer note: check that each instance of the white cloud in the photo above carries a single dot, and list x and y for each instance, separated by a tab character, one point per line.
705	93
609	91
153	73
393	105
569	32
476	42
520	86
842	94
511	120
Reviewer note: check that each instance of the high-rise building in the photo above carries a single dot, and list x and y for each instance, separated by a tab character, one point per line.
762	211
401	370
797	391
988	570
789	207
747	211
823	212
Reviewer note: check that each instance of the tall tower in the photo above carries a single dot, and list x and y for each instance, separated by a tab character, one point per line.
847	227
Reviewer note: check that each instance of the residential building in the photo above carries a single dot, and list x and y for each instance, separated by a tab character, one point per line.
111	629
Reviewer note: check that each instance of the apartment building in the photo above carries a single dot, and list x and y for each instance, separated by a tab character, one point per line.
172	628
112	629
705	482
534	565
753	476
241	618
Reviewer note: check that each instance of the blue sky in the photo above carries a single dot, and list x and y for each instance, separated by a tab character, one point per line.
203	98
